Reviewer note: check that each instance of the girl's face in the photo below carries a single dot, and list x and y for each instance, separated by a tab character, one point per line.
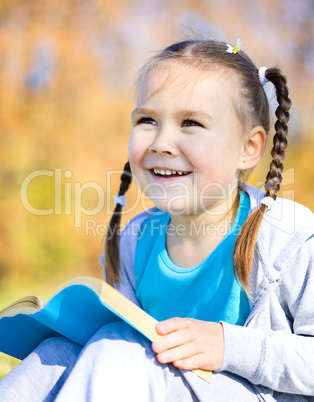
186	142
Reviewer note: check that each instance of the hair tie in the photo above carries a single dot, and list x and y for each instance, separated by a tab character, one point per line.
261	75
268	202
120	199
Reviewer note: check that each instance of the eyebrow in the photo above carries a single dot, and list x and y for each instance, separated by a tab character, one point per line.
141	111
180	112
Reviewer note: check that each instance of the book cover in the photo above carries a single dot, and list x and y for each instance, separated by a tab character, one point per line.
77	310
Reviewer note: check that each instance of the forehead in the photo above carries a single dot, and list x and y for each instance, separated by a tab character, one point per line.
180	83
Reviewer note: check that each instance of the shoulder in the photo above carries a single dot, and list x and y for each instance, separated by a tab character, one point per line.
286	215
300	266
285	228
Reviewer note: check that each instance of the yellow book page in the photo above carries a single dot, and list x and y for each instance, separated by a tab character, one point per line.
25	305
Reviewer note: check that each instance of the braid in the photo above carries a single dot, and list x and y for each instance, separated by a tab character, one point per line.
112	255
274	177
245	243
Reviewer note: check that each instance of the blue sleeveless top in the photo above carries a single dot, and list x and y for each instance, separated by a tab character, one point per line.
208	291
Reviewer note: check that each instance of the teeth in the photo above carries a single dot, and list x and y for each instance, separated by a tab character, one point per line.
168	172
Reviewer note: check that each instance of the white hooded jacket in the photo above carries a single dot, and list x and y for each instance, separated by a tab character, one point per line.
275	348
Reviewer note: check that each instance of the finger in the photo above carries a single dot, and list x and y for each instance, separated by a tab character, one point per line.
178	353
170	325
172	340
190	363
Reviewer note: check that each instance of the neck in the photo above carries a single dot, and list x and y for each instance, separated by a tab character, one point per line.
215	221
191	238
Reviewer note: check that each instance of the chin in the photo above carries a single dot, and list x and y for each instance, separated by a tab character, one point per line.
174	207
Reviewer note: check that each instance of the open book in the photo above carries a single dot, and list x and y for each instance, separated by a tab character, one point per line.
76	310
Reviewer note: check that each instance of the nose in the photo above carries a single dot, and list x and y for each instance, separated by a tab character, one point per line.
164	144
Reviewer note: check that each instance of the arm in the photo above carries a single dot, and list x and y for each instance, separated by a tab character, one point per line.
280	360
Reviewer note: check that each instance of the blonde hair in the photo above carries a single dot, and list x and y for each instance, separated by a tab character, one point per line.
206	55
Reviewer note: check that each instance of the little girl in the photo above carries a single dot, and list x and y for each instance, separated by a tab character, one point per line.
226	269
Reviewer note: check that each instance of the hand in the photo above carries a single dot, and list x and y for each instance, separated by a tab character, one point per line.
190	344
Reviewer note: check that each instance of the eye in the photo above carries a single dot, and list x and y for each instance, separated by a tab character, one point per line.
190	123
146	120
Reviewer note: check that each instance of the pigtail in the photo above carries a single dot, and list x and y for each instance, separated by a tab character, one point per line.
112	254
245	244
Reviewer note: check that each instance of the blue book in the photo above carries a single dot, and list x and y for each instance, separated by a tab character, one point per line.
77	310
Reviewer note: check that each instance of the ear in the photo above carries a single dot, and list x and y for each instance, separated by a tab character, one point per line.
253	148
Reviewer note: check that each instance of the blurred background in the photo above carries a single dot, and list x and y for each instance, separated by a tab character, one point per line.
67	71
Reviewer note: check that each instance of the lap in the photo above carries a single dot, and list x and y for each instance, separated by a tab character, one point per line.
40	376
121	364
116	364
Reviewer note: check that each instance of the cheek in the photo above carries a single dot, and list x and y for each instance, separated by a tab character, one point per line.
214	165
205	159
137	150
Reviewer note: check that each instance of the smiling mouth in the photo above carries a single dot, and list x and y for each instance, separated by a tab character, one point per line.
169	173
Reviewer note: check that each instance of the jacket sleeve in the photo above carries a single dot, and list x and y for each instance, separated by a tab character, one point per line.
280	360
